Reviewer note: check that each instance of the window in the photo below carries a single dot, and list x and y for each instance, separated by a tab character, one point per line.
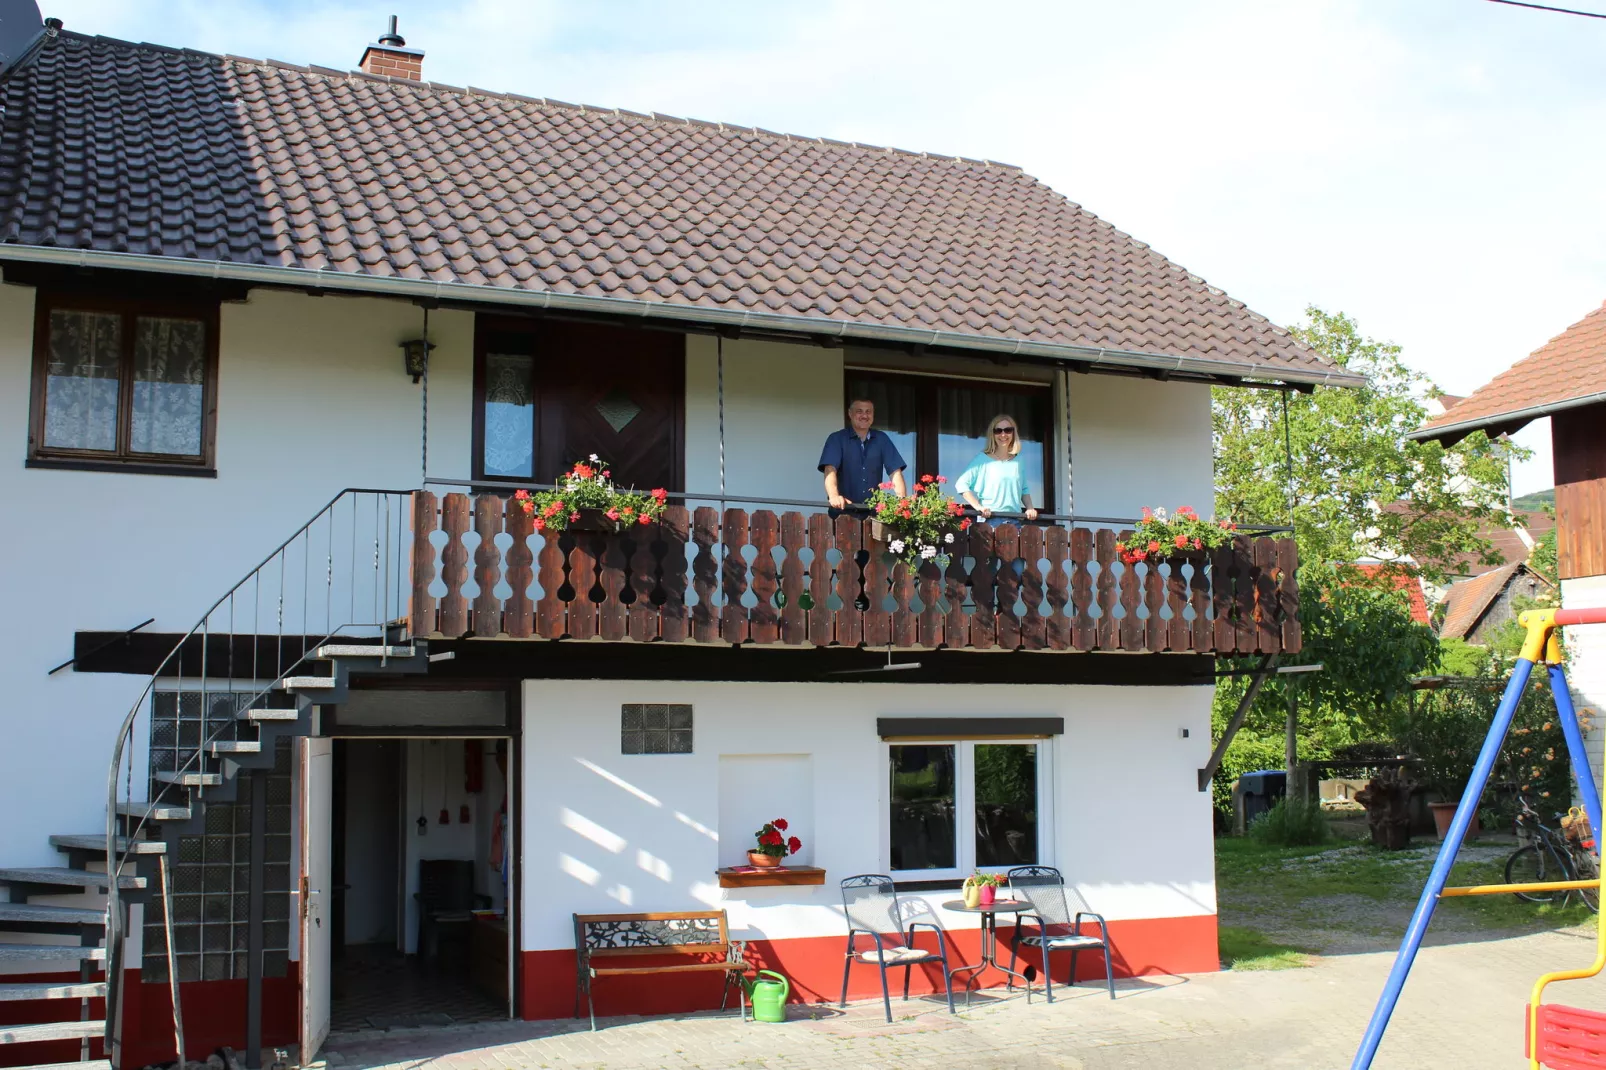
939	425
122	382
964	805
655	728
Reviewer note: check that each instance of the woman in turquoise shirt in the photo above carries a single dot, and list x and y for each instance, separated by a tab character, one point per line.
994	482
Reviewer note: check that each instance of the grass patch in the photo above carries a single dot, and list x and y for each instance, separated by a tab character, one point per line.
1246	949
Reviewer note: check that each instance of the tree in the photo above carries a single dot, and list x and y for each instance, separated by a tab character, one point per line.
1358	488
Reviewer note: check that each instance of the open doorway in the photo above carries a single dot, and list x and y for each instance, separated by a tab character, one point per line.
420	872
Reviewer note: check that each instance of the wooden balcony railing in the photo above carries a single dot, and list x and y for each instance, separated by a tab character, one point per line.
795	579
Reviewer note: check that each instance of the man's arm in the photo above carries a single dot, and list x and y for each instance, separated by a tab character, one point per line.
832	495
899	487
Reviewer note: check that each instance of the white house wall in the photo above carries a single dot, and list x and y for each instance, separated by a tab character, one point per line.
1586	663
605	831
1137	442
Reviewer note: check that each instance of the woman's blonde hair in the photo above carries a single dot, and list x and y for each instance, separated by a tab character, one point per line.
1014	445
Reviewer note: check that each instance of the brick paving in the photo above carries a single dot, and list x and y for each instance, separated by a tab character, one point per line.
1462	1009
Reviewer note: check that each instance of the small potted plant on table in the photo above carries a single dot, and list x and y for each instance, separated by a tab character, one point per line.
981	889
773	845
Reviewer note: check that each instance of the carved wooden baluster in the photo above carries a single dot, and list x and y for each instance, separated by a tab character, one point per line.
984	621
518	614
849	576
1204	625
1243	621
1268	608
454	565
421	615
794	629
1084	629
822	621
552	611
905	622
487	565
1108	626
1155	629
583	578
1223	598
613	614
1006	544
1177	634
1131	593
734	570
643	617
928	582
1057	548
877	621
705	575
765	531
956	588
675	530
1033	628
1288	590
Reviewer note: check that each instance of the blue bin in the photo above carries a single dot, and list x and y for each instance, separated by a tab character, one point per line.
1261	790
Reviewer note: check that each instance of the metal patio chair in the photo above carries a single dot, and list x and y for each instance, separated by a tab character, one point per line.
871	903
1050	925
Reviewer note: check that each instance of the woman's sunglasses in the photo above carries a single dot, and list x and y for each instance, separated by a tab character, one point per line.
1003	430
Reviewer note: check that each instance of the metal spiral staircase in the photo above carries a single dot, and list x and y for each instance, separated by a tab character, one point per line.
283	642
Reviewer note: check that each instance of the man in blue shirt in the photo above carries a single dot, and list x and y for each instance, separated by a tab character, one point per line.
855	458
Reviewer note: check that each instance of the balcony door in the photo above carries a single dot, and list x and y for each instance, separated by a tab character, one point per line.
550	393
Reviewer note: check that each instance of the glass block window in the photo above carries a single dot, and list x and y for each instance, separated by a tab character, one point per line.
211	884
655	728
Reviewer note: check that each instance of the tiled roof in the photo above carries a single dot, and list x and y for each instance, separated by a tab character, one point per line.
1410	585
1569	367
139	149
1468	600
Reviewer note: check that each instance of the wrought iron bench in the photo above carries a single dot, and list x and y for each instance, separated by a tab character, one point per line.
694	932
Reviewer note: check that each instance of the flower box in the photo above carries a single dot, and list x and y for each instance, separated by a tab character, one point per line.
773	877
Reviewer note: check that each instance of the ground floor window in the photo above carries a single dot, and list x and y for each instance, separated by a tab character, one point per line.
958	806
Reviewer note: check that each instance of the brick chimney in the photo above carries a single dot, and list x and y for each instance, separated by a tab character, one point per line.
390	55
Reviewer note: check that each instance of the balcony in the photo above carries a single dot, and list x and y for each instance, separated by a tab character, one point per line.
794	579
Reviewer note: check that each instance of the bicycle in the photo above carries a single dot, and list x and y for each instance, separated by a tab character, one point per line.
1550	854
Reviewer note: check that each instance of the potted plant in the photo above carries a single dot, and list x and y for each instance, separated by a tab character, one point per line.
585	496
920	527
981	889
1159	535
773	845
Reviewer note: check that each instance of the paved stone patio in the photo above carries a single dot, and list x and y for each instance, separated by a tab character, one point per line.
1461	1009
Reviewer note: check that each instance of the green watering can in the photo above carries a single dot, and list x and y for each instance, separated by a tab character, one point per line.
768	997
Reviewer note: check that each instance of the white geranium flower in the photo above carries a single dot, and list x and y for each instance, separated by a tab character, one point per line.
896	546
594	457
1159	514
928	552
948	537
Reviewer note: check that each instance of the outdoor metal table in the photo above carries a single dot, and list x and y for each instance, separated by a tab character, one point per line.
989	939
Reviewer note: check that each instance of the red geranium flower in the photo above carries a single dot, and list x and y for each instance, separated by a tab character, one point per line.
644	519
780	823
660	494
965	523
521	494
1198	544
575	515
793	845
612	514
942	479
540	525
1182	542
1154	546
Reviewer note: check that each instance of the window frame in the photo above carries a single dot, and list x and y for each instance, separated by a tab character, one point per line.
122	458
927	412
965	808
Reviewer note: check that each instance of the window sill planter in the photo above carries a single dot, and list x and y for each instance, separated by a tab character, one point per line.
769	876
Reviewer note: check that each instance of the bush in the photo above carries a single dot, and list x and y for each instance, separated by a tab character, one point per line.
1246	755
1291	823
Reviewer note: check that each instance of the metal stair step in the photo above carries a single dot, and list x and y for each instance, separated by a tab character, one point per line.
307	683
352	650
189	780
31	912
92	1064
63	877
97	842
161	812
50	953
53	990
236	746
32	1034
269	715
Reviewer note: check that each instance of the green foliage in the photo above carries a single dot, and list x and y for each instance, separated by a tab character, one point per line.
1538	501
921	526
1351	463
589	485
1543	558
1291	823
1457	657
1157	534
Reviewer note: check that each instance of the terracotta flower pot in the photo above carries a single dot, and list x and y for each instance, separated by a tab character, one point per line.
988	894
762	860
1444	813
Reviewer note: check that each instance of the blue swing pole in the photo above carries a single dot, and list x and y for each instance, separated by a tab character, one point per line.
1447	852
1583	773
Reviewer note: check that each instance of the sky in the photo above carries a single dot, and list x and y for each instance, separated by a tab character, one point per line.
1429	167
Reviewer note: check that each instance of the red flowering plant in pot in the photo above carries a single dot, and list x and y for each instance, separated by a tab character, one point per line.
919	527
773	844
1159	535
587	488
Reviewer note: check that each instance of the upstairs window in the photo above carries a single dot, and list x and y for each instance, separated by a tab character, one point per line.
124	383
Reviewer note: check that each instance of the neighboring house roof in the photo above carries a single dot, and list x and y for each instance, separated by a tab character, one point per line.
1467	601
1407	583
1508	543
1566	372
142	154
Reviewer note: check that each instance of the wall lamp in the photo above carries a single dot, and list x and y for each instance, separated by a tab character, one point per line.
415	357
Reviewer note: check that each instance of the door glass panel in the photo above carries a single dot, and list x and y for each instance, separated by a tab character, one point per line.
922	819
1006	804
963	416
509	416
82	381
897	412
169	403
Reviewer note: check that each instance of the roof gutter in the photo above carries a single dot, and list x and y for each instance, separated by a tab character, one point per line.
813	326
1519	417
